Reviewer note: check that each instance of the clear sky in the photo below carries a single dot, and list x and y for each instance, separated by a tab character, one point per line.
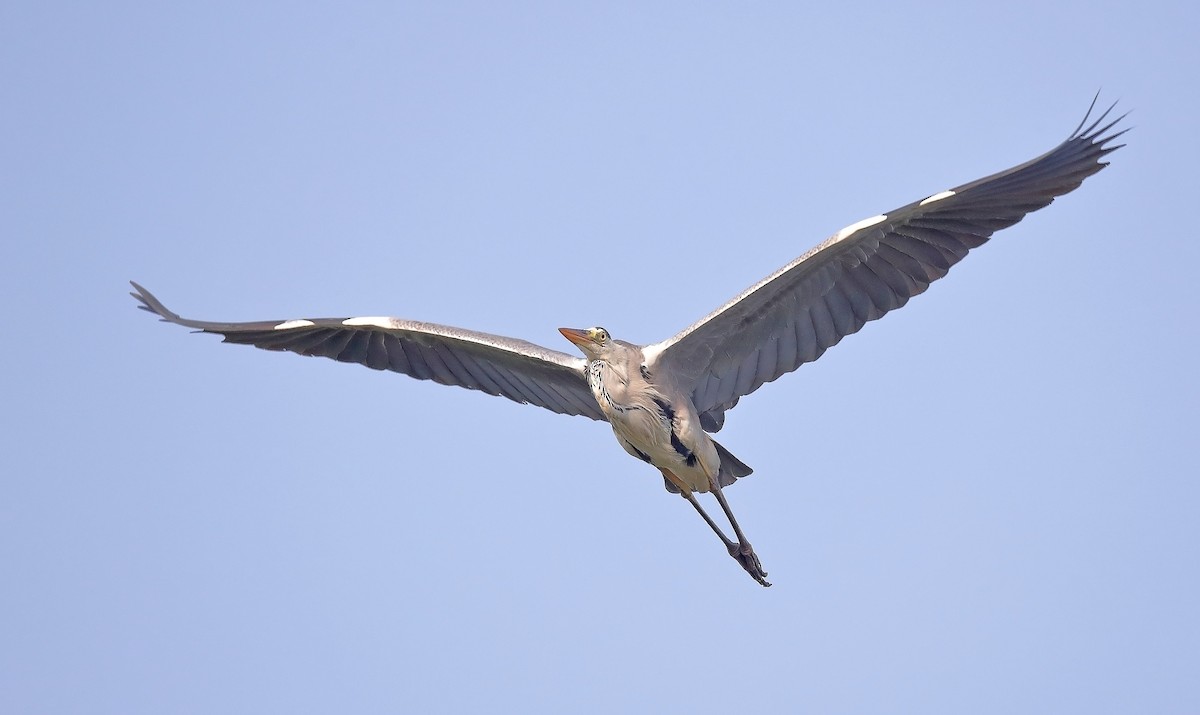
986	502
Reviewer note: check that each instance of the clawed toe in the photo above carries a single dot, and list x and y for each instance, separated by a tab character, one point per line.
744	554
740	550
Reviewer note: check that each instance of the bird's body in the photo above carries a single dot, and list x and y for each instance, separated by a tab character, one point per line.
663	400
652	422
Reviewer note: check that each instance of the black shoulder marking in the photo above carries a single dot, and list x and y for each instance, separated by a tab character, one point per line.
640	454
684	452
667	411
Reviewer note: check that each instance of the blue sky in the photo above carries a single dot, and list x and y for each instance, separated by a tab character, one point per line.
986	502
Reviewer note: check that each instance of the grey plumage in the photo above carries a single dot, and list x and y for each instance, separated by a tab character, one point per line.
663	398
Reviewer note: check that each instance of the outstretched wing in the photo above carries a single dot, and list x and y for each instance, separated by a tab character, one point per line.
516	369
860	273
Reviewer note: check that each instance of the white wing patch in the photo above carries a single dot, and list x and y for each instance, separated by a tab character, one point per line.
372	320
288	325
650	354
865	223
937	197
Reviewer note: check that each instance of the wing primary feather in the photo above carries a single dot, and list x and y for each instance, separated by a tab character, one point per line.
397	358
872	267
480	372
416	360
768	359
823	327
534	390
902	261
333	346
883	294
859	295
789	349
806	339
455	367
1088	114
509	388
844	318
377	356
355	349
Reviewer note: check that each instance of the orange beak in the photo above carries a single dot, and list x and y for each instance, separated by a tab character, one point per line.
577	336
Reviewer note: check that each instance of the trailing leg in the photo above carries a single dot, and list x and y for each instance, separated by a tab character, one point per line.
740	550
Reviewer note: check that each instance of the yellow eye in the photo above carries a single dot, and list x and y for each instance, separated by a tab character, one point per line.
600	334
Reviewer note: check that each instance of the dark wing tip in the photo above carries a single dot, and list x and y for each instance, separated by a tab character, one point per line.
1091	107
1096	134
150	304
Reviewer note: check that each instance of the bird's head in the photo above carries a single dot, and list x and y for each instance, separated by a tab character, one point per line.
594	342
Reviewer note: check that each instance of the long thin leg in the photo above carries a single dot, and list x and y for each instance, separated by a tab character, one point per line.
740	550
708	520
737	530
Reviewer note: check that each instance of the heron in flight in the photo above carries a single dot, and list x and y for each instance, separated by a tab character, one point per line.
665	399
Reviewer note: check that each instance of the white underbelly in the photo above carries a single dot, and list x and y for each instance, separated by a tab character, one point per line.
649	437
647	433
655	428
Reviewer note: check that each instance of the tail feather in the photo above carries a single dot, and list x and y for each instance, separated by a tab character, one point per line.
732	468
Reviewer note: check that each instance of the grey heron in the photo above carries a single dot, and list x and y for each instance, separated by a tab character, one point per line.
665	399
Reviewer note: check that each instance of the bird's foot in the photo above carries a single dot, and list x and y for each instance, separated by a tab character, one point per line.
744	554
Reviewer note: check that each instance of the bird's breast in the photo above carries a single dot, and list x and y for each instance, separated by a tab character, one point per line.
650	425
